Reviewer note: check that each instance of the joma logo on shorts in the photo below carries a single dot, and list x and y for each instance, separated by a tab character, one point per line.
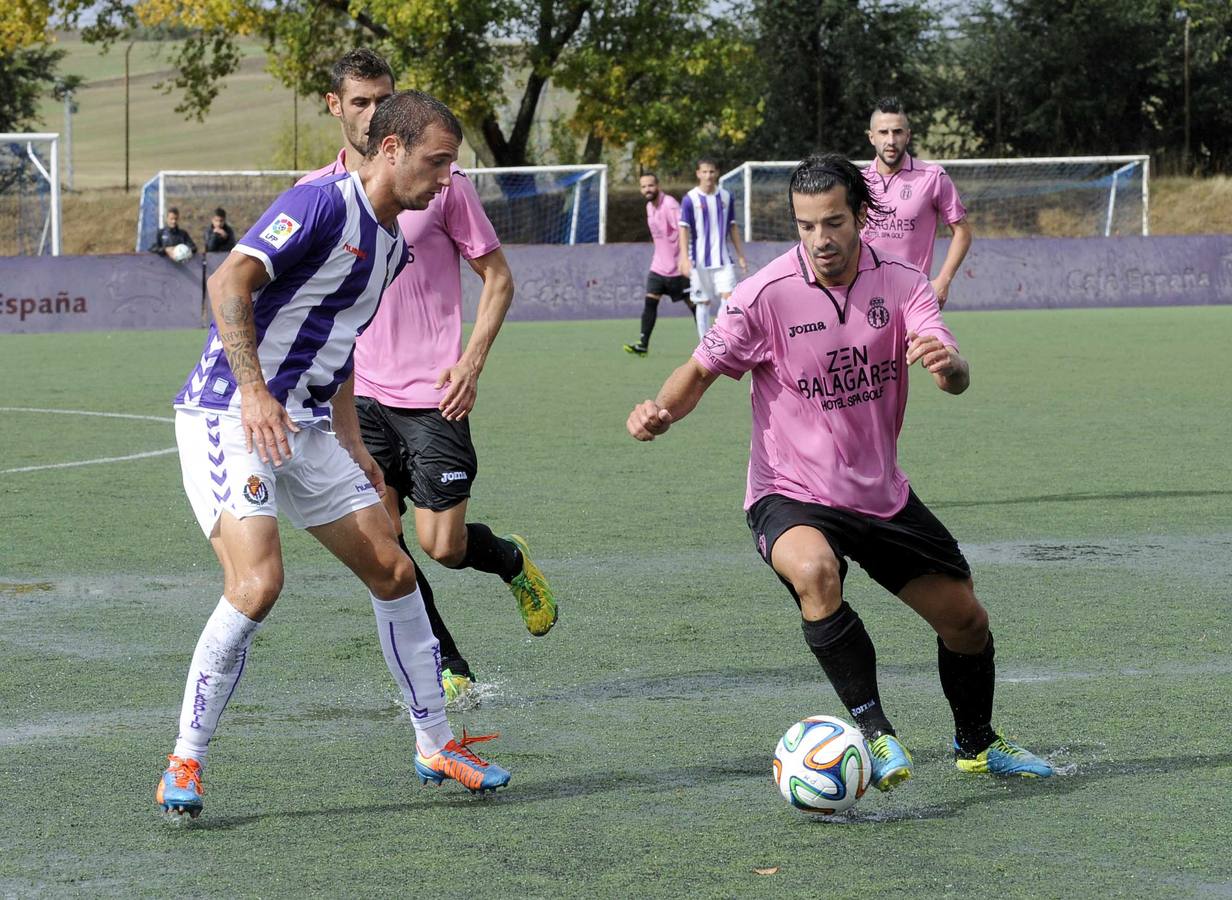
447	477
806	328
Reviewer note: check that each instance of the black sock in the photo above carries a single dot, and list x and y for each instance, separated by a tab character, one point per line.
847	655
451	657
968	681
486	552
650	314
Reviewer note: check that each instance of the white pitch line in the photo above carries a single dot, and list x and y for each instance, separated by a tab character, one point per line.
88	462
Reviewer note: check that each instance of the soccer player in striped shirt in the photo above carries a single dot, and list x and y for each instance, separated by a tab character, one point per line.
707	220
916	194
828	331
415	388
267	422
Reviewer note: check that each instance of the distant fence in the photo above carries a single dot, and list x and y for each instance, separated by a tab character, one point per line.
143	291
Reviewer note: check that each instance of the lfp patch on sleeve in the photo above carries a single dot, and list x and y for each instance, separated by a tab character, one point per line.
280	230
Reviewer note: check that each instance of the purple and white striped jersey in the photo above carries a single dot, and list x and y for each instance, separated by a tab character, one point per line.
329	260
709	218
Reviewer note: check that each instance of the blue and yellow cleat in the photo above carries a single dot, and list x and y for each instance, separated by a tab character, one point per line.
1002	757
891	762
456	762
530	588
179	790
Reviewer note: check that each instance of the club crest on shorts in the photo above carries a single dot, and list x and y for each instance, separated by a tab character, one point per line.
878	315
255	491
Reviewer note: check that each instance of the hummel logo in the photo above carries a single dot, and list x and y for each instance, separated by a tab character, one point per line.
447	477
355	250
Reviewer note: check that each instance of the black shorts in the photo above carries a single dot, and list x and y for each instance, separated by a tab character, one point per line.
892	551
674	286
424	457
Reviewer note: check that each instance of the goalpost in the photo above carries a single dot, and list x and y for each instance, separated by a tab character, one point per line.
1065	196
527	204
30	193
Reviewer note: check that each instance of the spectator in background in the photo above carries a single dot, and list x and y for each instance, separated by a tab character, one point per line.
171	237
219	236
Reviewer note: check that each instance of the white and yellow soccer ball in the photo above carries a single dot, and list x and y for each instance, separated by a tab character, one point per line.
822	766
181	252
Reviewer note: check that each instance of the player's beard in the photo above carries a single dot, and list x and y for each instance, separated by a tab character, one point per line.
898	158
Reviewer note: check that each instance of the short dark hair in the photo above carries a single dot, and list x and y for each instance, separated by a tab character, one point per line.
893	106
707	160
173	209
361	64
649	175
406	115
220	212
824	172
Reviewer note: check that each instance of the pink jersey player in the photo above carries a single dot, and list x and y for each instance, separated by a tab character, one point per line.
916	196
828	331
829	369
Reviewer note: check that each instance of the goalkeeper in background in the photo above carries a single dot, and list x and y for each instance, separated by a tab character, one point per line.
171	236
917	195
414	389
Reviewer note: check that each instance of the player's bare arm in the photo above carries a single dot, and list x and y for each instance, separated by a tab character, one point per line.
738	244
494	302
959	245
677	398
345	421
265	420
947	366
683	262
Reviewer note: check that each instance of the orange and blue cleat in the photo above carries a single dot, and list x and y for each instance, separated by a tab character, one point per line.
457	762
179	790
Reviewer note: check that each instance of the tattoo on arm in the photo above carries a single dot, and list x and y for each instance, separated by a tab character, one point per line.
239	339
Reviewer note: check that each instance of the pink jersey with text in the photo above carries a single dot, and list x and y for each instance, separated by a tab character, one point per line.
829	377
417	332
664	222
917	195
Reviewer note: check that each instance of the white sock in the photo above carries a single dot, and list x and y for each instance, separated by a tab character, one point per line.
217	664
703	319
414	659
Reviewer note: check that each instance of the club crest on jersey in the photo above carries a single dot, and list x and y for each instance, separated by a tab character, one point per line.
255	491
905	193
878	315
279	230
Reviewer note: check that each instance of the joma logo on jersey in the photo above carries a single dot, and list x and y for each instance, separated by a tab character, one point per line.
354	250
447	477
806	328
277	232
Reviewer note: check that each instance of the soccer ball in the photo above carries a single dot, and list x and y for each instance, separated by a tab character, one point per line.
821	765
181	252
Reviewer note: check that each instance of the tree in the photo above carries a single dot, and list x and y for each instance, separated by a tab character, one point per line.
1055	77
658	76
823	64
473	54
26	74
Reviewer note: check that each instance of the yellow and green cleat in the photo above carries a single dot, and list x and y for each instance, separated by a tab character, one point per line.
456	686
530	588
1003	757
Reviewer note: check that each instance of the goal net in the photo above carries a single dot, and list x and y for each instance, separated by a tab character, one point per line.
527	205
1052	197
30	194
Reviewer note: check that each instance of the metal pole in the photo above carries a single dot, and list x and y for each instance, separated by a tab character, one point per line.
68	139
603	205
1185	152
127	51
748	202
295	127
55	197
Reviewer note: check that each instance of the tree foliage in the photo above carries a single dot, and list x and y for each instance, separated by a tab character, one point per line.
823	64
490	60
26	75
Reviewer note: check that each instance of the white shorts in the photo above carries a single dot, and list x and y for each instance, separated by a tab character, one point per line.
319	484
709	285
